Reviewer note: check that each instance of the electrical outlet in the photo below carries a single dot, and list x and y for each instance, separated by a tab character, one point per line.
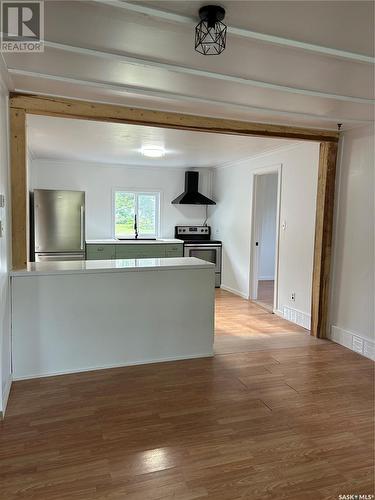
293	296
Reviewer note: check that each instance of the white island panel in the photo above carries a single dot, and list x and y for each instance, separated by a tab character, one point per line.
66	323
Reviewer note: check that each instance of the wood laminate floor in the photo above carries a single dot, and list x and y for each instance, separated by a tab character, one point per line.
243	325
265	292
273	421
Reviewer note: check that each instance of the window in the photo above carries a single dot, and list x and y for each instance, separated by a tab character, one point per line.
127	205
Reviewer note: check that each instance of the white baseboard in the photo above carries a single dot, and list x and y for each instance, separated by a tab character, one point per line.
234	291
117	365
354	341
295	316
266	278
8	386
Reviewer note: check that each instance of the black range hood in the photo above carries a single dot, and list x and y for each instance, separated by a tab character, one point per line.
191	196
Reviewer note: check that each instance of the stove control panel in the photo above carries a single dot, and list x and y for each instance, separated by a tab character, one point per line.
192	229
193	232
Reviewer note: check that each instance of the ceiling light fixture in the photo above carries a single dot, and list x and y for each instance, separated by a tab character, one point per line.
153	151
210	32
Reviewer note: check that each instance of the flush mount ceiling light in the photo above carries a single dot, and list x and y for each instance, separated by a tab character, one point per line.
153	151
210	32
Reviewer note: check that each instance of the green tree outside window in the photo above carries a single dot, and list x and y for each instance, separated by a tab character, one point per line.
129	204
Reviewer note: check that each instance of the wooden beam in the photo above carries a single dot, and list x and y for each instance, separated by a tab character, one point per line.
18	187
323	239
70	108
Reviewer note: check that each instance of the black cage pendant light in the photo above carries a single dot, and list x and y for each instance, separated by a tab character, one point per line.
210	32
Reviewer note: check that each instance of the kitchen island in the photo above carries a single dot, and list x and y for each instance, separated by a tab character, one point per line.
75	316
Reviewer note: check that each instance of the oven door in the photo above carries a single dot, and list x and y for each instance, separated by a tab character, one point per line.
210	253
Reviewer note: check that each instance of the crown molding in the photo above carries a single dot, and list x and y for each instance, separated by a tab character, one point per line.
89	163
267	152
5	78
30	153
232	163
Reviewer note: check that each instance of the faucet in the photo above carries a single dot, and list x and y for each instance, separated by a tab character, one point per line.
135	227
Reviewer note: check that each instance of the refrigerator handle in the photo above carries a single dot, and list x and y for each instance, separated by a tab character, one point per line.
82	227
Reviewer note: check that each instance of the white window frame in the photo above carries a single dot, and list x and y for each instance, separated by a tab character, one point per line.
137	192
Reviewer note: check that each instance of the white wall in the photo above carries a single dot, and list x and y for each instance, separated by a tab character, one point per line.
266	209
352	297
99	180
231	218
5	354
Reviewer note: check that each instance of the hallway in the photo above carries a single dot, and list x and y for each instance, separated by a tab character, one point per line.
242	325
265	293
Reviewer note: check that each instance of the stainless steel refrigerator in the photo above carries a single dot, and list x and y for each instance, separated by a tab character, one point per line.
58	225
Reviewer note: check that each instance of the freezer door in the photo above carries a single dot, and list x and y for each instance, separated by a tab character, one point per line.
47	257
59	218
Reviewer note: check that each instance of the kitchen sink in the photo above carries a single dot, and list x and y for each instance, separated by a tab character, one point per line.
136	239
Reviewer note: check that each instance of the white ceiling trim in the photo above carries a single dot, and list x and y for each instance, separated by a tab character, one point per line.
61	163
203	73
266	152
233	163
263	37
31	154
5	80
127	89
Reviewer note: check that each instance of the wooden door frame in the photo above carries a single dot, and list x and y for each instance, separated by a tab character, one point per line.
23	104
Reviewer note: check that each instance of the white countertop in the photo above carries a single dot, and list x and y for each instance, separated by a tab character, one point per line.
112	241
110	266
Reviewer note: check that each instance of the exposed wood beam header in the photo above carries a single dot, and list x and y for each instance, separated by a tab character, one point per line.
71	108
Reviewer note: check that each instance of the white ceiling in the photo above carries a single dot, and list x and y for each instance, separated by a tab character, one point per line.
115	143
307	63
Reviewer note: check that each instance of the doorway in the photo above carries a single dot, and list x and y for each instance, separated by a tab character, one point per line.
264	241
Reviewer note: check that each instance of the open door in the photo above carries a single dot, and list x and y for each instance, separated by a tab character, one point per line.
265	237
